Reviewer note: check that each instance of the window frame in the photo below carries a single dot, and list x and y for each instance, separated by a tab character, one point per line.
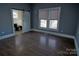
50	19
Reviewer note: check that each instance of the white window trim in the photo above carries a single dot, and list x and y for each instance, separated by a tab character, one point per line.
48	21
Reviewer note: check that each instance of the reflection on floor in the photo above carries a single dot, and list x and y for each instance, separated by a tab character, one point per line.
37	44
19	32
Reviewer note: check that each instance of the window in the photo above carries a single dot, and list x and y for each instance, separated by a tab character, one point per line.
49	18
15	15
43	23
53	24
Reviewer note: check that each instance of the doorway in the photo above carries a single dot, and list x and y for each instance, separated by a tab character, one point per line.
21	21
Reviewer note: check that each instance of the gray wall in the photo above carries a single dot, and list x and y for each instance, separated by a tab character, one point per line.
68	18
6	18
77	34
77	31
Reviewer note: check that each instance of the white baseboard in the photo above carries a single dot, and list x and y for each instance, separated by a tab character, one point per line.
7	36
54	33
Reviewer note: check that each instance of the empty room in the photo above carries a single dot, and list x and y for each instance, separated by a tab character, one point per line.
39	29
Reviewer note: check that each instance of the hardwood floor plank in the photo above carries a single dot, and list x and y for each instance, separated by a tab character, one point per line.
37	44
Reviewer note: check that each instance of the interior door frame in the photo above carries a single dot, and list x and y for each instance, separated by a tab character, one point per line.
29	20
22	20
14	32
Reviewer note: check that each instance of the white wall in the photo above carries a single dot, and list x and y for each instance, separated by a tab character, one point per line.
19	19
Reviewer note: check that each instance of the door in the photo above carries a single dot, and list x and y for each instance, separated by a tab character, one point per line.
26	21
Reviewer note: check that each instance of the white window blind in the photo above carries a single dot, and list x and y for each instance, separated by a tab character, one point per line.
43	14
54	13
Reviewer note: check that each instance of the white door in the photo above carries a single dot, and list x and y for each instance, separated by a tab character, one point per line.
26	21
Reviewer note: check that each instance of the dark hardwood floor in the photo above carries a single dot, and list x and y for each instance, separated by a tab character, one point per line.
37	44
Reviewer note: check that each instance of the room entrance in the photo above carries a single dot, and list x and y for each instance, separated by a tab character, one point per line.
17	20
21	21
